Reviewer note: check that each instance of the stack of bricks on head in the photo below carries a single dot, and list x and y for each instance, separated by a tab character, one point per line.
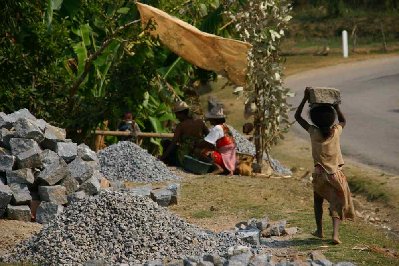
323	96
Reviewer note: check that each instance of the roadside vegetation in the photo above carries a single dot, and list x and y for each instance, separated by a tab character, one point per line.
371	26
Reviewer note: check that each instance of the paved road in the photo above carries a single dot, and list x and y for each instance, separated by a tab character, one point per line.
370	102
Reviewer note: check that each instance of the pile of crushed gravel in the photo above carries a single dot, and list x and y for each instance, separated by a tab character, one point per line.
245	146
128	161
118	227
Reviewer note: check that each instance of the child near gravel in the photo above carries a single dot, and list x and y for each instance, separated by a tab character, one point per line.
328	180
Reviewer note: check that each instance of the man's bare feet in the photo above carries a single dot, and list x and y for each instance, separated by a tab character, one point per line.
318	234
336	241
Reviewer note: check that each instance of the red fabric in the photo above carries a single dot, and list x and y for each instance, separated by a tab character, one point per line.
217	158
224	141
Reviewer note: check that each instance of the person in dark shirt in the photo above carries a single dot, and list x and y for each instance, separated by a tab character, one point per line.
128	124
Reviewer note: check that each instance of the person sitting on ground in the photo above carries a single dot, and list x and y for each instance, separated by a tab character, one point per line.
247	129
328	180
128	124
186	136
219	144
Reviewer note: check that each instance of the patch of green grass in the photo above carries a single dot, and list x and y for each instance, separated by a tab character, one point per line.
238	199
370	189
202	214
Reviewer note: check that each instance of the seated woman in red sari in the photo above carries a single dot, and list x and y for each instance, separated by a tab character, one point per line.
220	146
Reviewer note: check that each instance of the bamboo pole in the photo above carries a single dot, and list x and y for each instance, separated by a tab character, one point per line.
138	134
141	135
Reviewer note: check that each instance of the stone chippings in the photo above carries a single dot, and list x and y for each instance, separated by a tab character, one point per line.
126	160
118	227
245	146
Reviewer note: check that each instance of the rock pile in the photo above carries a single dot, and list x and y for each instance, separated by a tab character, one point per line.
38	163
165	195
118	227
245	146
255	230
128	161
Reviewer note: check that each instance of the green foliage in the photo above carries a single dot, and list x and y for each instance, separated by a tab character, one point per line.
263	23
78	63
46	48
336	8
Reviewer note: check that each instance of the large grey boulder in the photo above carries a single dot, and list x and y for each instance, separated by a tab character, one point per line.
53	135
6	162
20	213
262	260
41	123
162	196
53	172
215	259
324	95
55	194
322	263
5	198
30	158
318	259
49	157
205	263
5	137
251	236
20	145
260	224
86	154
70	183
290	231
175	189
278	228
22	176
144	191
91	186
20	193
239	256
80	170
28	129
95	166
67	150
48	211
78	195
5	121
23	113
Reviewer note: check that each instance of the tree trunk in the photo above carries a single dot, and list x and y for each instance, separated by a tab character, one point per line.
258	131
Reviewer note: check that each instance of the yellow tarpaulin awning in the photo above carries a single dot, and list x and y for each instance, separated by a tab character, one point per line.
224	56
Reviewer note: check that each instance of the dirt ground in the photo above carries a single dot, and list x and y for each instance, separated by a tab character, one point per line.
12	232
